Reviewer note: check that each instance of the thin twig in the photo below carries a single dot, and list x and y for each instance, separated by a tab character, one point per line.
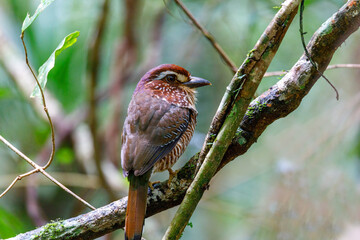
44	104
285	96
19	177
15	67
302	33
280	73
275	73
51	157
23	156
208	35
343	66
274	106
253	65
66	189
246	80
70	179
37	169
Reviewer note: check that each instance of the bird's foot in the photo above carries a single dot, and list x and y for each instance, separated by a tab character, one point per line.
172	174
151	184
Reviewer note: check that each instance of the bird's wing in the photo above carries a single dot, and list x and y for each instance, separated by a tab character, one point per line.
152	129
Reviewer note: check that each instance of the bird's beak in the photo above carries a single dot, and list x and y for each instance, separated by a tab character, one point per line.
196	82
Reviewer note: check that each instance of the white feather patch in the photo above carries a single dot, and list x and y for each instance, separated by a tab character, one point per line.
180	77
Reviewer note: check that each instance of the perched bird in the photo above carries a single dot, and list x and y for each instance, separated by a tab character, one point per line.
160	123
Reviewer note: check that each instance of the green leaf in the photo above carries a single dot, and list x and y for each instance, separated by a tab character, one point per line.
10	224
44	70
28	20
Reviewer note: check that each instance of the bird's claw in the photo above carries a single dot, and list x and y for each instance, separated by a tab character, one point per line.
151	184
172	174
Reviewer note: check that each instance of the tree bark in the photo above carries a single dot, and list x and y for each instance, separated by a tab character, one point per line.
280	100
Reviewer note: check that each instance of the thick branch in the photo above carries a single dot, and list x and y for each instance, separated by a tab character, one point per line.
251	71
277	102
246	80
112	216
285	96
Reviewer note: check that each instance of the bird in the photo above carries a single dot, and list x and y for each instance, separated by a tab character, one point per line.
160	122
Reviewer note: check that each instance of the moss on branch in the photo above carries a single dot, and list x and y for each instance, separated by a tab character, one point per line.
279	101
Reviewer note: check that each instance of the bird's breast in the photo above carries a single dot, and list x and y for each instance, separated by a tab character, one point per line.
180	96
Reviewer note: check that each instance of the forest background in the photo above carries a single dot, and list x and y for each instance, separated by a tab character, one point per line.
299	181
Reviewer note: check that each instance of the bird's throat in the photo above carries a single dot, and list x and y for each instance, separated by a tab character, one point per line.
178	95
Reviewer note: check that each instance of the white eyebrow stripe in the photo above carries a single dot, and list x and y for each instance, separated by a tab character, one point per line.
180	77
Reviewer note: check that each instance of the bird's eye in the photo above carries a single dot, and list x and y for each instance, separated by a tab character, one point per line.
170	78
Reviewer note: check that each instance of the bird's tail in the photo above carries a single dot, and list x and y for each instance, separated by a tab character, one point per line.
136	207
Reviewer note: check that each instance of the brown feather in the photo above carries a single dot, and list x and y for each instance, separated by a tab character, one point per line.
136	206
170	159
152	130
160	123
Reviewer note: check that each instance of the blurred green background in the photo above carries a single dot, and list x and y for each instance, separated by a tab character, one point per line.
299	181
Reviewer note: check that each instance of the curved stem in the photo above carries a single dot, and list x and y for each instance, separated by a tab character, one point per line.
44	105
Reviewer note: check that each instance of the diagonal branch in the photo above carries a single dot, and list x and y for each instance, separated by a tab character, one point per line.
37	169
277	102
334	66
302	33
254	67
238	97
287	94
209	37
7	53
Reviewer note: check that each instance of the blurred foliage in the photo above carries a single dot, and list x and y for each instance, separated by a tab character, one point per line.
300	181
10	224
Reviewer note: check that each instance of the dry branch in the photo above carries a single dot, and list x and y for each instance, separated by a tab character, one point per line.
277	102
231	110
17	69
209	37
13	63
44	105
36	169
334	66
287	94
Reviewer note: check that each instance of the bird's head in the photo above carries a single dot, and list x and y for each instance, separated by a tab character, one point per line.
172	83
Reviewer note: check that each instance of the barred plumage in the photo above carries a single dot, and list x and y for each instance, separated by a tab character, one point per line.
169	160
160	123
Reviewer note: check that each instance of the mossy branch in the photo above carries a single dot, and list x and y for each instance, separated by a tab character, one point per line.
280	100
237	98
286	95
